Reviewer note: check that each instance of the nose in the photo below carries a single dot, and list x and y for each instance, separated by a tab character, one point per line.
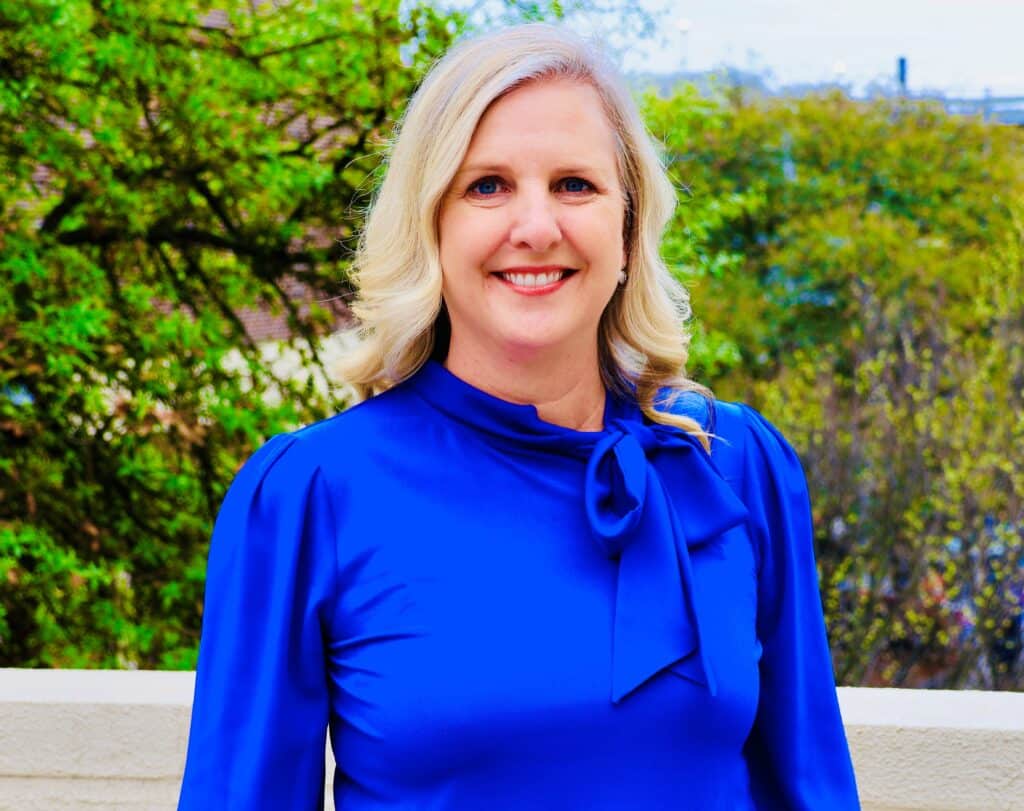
535	225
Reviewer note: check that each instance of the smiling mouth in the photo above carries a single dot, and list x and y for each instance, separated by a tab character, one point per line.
536	279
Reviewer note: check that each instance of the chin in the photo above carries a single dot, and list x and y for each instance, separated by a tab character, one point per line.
532	342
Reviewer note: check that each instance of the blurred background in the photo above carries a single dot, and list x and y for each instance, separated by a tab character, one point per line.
182	185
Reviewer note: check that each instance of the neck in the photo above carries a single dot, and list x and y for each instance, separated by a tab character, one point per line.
564	387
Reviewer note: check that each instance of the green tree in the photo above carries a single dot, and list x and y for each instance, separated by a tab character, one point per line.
856	268
166	166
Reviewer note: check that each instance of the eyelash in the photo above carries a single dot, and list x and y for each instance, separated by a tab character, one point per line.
498	181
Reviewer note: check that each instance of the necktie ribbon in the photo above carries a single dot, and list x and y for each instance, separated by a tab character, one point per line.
652	495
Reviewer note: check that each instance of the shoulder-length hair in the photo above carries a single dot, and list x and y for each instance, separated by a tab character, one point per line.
397	270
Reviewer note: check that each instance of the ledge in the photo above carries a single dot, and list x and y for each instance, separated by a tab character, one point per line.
936	750
115	740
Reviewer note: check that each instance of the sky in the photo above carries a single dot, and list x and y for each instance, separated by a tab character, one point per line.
961	48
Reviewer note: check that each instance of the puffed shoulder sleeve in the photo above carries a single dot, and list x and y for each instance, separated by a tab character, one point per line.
260	714
797	750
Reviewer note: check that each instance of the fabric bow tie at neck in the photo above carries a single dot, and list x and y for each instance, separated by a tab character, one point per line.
635	519
651	494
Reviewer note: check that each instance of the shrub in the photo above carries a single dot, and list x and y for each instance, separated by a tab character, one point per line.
856	268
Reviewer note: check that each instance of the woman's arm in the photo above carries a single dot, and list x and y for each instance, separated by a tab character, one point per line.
261	708
797	750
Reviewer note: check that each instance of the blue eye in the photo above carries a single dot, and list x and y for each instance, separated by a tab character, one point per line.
485	186
575	185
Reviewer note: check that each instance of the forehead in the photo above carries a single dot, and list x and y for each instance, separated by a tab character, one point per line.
557	119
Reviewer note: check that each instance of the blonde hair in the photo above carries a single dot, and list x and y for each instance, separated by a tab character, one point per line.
397	269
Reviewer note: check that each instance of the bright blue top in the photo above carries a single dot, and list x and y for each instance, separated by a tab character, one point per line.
489	611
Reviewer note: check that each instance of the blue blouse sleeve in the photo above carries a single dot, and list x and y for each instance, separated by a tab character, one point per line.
259	719
797	750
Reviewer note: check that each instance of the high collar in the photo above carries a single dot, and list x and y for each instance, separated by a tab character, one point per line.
512	422
651	496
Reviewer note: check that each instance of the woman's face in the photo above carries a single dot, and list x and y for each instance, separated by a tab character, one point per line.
531	228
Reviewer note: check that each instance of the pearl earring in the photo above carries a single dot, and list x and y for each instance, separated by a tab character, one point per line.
622	276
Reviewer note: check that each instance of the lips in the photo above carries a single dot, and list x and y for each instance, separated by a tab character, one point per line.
534	275
535	281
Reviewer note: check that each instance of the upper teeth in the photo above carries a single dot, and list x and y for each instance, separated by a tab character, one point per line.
533	279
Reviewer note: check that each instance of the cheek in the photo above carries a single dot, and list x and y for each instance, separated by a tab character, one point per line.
467	239
601	238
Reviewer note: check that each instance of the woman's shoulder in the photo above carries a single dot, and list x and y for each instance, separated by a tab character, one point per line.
742	439
741	431
388	410
337	443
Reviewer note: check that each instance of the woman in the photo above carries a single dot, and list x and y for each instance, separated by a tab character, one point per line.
538	569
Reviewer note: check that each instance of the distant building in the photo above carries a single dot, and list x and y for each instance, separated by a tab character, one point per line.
1004	110
266	324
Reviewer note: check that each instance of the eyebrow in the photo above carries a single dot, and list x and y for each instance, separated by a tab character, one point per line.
504	169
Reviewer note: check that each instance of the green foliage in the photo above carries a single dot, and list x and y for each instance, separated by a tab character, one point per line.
166	166
856	268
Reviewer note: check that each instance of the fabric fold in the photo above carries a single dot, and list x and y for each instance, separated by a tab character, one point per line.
650	527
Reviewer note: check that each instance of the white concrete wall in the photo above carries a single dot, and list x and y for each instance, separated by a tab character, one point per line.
92	739
936	749
115	740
